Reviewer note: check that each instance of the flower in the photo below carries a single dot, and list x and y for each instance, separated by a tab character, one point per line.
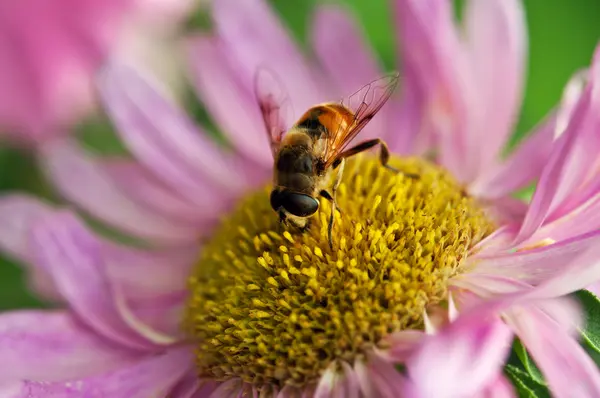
278	312
50	52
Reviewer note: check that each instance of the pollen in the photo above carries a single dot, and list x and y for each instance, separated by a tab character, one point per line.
274	305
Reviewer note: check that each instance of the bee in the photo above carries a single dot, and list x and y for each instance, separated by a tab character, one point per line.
309	157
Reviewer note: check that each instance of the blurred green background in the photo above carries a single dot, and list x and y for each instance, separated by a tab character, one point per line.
562	35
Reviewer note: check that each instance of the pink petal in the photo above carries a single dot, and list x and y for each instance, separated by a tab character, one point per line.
338	383
499	388
342	50
497	46
568	369
231	104
86	184
572	164
340	45
53	346
64	247
18	214
523	166
400	345
428	40
472	348
378	377
150	377
146	190
406	135
251	32
164	139
153	282
537	265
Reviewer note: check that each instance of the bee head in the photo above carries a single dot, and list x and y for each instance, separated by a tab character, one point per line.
297	204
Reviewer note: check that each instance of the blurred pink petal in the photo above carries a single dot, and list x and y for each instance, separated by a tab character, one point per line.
340	45
49	53
154	376
72	256
428	39
573	163
568	369
536	265
378	377
19	213
157	131
500	388
472	348
148	191
252	32
230	103
53	346
343	52
522	166
338	383
70	170
497	47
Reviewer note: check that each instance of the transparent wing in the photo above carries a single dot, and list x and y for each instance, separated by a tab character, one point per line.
274	104
364	104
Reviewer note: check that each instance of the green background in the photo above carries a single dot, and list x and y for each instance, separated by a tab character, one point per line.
563	34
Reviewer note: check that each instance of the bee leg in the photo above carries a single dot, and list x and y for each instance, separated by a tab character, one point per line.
336	183
327	195
384	154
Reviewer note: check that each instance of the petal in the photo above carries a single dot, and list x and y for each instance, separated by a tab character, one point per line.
499	388
73	257
164	139
497	46
428	39
539	264
83	182
568	369
378	377
522	167
557	269
153	282
151	377
144	188
61	349
472	348
341	48
251	32
399	345
340	45
338	383
573	162
18	214
231	104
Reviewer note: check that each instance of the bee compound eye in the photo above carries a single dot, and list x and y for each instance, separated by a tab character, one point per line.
300	205
275	199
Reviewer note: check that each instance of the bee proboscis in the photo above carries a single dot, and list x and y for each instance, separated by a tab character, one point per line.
309	157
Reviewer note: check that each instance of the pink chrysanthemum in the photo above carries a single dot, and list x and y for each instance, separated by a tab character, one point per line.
277	313
49	52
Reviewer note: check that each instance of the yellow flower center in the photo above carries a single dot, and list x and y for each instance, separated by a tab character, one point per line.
273	305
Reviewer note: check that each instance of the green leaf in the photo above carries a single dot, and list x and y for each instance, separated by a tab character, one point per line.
530	366
590	335
525	385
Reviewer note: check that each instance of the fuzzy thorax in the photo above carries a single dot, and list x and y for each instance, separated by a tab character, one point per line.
273	305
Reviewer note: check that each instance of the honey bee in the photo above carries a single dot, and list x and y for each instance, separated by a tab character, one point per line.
309	157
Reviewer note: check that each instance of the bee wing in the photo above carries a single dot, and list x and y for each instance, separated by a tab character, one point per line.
364	104
275	105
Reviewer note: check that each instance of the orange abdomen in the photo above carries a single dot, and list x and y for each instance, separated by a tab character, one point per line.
328	118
